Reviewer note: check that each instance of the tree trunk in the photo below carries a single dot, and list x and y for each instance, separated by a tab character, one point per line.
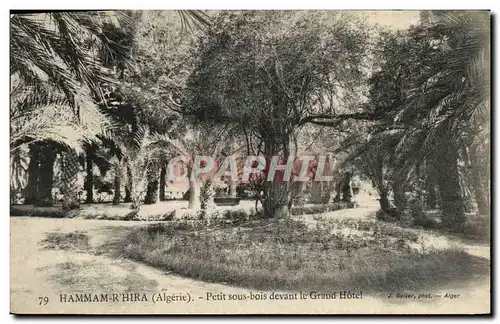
299	195
276	194
128	186
275	202
431	200
384	202
163	182
152	186
194	195
45	177
346	187
480	181
327	192
338	190
316	196
32	185
69	178
232	188
89	180
452	204
151	192
337	197
117	188
481	196
282	211
275	211
399	193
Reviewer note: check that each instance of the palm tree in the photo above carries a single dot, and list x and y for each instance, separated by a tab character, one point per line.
206	141
43	123
433	96
452	102
130	107
375	157
54	56
142	156
57	80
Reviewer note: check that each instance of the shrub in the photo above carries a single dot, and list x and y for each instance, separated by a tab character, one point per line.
52	212
383	216
237	216
113	213
190	214
427	220
319	209
422	219
131	215
478	228
413	211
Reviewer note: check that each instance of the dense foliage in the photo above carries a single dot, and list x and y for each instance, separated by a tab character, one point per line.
100	102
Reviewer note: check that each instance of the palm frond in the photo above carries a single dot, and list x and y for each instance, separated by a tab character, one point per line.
194	19
49	119
60	48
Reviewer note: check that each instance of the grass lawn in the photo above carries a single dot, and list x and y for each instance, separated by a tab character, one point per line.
288	254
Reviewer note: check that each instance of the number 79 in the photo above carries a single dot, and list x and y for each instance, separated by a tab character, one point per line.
43	300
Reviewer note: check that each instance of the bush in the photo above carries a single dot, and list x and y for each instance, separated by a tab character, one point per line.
232	216
383	216
422	219
319	209
52	212
478	228
177	214
237	216
413	211
110	213
426	220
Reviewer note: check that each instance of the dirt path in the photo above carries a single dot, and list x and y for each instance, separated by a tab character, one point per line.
39	272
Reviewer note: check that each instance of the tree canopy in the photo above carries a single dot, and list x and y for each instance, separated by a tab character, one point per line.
407	109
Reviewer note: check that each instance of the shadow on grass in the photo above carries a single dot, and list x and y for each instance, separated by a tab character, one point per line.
475	230
66	241
93	276
89	274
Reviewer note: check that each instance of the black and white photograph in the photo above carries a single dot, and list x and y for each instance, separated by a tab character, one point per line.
250	162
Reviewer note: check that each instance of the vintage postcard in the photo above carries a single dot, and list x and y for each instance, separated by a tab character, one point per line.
250	162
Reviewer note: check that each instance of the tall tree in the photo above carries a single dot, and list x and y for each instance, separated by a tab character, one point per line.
277	71
54	72
431	92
